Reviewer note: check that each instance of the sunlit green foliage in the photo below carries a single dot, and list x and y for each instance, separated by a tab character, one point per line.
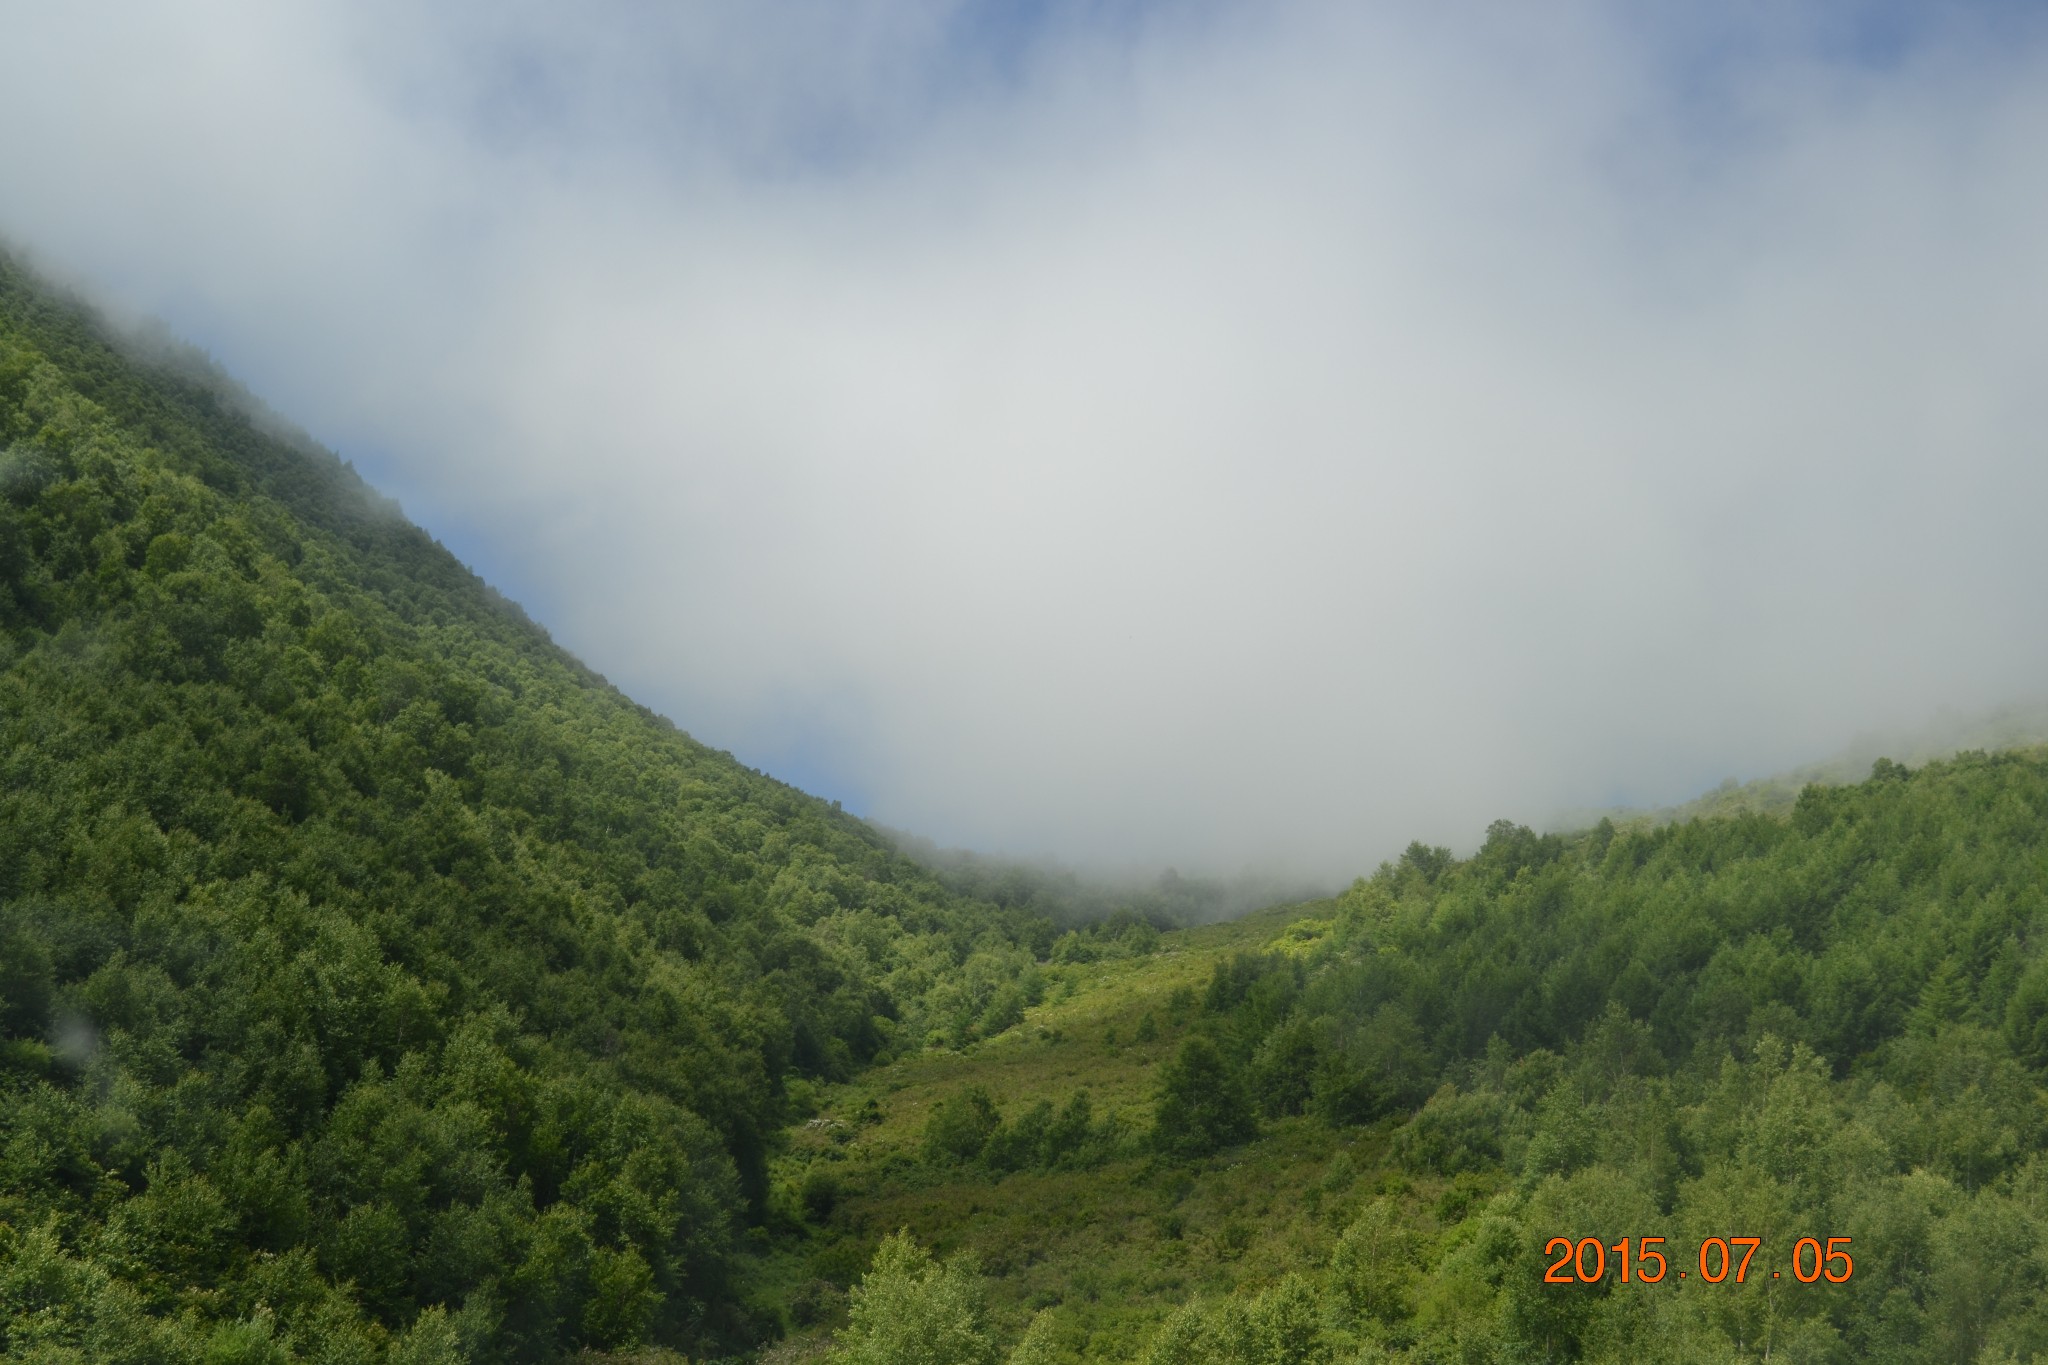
1827	1024
910	1311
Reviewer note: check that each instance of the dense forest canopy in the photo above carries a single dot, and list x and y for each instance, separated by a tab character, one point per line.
371	974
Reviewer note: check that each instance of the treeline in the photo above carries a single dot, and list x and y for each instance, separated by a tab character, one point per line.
1910	902
968	1129
1829	1025
375	983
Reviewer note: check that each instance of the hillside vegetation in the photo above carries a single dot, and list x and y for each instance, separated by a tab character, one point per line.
378	985
1347	1132
374	980
2017	725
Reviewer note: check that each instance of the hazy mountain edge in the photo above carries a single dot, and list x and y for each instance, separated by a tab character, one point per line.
2014	727
204	416
1167	899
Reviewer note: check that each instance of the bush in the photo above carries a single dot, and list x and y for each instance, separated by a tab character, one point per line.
1069	1133
960	1126
1020	1145
819	1195
1453	1132
815	1301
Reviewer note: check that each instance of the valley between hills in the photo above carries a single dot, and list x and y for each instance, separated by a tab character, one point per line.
379	984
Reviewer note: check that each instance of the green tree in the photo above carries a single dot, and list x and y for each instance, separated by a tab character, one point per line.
1202	1104
1373	1269
907	1310
960	1126
1284	1068
1287	1325
1182	1339
1036	1346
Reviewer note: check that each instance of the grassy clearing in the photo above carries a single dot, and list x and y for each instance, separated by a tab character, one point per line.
1112	1248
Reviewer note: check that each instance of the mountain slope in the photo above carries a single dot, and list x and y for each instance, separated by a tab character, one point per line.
376	984
372	976
1353	1130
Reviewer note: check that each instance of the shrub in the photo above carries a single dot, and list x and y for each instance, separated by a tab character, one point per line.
960	1126
1020	1145
1453	1132
819	1195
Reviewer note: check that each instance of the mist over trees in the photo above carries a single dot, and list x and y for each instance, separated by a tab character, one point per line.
378	984
372	976
1164	900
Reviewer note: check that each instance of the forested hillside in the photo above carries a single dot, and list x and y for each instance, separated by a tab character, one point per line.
1351	1133
375	982
378	985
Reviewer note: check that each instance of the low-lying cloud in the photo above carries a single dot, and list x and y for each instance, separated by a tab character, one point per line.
1141	436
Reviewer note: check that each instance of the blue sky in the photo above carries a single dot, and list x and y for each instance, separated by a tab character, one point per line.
1213	435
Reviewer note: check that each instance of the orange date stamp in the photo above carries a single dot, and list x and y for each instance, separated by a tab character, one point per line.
1642	1260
